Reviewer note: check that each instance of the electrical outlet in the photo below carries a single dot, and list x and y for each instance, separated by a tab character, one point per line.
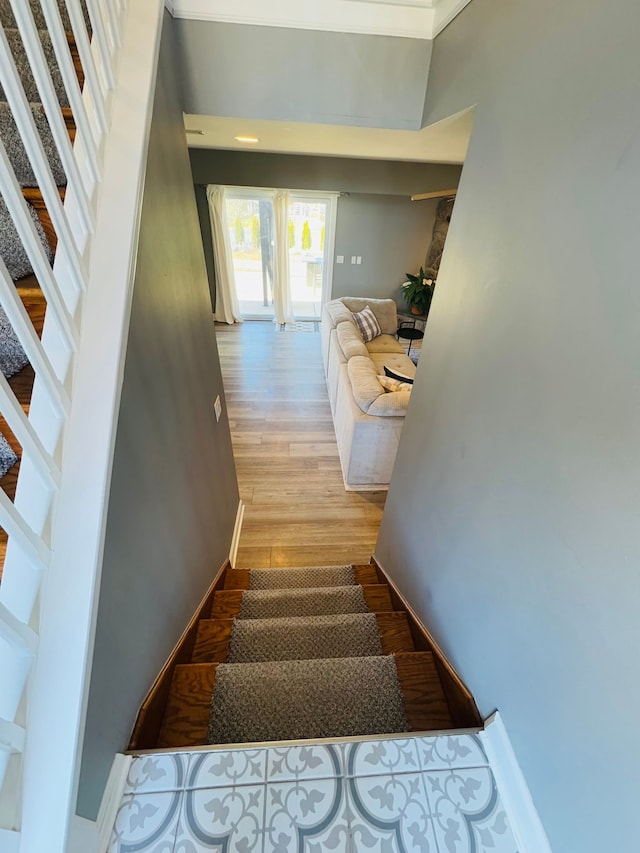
217	407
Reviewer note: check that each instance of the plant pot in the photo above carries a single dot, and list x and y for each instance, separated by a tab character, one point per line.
416	310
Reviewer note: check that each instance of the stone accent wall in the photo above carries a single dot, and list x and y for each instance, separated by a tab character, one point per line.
440	229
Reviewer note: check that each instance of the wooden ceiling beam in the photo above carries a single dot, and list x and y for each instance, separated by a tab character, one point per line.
436	194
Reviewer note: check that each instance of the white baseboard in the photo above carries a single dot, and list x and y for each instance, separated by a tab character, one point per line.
111	800
512	787
235	541
370	487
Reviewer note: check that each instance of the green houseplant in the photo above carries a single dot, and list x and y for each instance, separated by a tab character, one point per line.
418	292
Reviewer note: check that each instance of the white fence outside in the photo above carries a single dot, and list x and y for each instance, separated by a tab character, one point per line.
48	593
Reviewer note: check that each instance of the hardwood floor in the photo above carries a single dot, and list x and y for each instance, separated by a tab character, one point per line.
297	511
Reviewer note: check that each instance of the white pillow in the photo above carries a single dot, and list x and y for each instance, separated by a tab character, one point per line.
390	384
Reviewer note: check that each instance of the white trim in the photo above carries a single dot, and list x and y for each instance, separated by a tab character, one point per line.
515	795
446	11
111	799
411	21
235	539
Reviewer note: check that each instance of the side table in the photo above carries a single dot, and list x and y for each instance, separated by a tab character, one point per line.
409	333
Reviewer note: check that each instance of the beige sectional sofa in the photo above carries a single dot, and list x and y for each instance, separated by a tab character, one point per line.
368	420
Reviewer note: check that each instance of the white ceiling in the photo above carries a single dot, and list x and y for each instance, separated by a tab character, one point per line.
422	19
444	142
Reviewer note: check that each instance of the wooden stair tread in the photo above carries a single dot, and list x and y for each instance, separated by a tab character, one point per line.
214	635
186	718
227	602
240	578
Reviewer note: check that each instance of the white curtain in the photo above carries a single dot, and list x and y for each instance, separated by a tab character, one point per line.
282	307
227	307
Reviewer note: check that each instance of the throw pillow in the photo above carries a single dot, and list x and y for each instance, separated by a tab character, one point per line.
399	376
390	384
366	321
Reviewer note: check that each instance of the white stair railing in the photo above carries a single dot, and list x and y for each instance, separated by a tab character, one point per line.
55	524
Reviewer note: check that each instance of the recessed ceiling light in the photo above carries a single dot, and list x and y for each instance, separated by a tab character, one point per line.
249	139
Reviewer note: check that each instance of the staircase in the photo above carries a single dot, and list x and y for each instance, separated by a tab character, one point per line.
332	721
303	653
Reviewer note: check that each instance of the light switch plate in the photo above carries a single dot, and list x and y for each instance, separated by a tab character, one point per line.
340	259
353	259
217	407
359	259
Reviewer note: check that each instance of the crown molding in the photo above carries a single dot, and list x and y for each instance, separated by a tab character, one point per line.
445	12
406	19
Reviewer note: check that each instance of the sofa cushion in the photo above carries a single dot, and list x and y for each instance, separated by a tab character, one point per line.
391	405
367	322
350	340
384	343
396	361
338	312
369	394
386	311
364	381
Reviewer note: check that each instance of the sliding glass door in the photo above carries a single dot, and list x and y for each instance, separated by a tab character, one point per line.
250	222
310	219
309	241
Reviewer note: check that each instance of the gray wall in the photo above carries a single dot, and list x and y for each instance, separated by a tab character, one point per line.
377	220
289	74
174	494
306	172
390	233
512	518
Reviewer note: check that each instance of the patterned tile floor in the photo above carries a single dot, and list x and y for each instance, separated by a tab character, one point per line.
432	795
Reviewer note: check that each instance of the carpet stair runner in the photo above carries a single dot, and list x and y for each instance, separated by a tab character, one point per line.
288	654
13	360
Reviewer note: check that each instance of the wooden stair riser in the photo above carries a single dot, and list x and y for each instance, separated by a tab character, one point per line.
227	602
214	637
241	578
186	720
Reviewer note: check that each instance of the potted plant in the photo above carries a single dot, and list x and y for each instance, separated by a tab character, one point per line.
418	292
